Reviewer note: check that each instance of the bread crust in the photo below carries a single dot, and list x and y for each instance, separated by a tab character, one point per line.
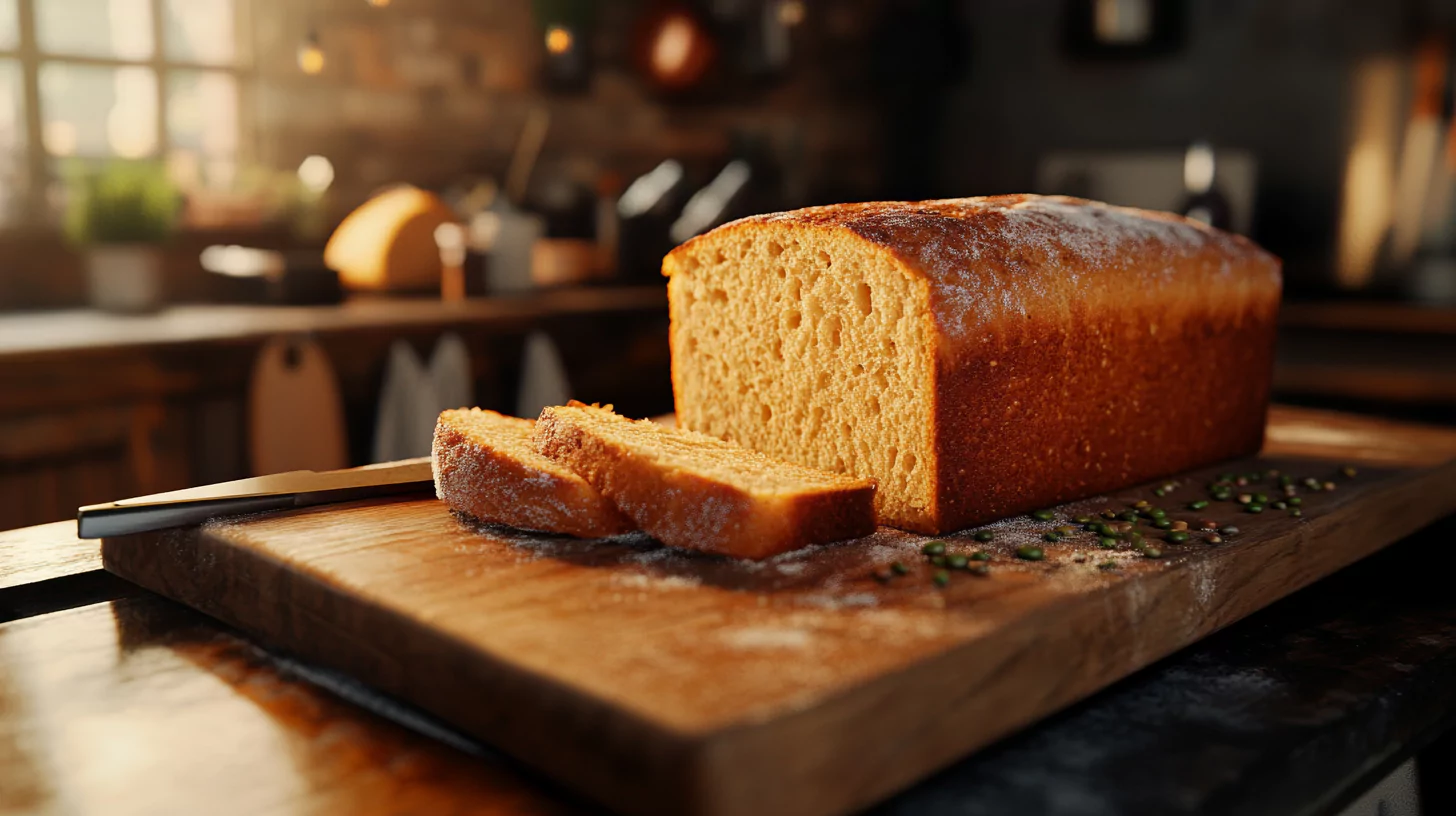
682	508
491	483
1078	347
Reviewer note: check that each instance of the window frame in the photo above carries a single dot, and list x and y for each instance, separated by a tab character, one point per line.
30	57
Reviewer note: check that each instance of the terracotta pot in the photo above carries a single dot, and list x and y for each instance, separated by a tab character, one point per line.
124	277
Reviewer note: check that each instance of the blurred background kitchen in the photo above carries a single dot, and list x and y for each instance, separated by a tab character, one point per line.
245	236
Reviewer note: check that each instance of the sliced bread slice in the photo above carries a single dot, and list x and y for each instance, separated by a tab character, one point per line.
487	467
691	490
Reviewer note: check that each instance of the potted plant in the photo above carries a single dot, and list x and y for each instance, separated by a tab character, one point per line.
119	215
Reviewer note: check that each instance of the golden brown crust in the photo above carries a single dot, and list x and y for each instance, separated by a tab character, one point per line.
682	508
492	482
1078	347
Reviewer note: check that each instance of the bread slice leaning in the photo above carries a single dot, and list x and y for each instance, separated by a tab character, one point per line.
690	490
487	467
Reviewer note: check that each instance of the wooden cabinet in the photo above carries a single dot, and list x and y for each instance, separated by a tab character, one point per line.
83	423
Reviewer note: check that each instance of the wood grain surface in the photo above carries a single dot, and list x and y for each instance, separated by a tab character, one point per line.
44	552
666	682
143	707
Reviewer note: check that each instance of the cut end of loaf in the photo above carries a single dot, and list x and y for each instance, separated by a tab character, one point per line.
810	346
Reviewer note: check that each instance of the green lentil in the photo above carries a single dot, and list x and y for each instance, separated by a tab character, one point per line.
934	548
957	561
1029	553
1160	492
1128	515
1158	513
1083	519
1254	508
1279	505
937	560
1051	537
980	555
899	568
1107	543
1066	529
979	569
1286	480
1163	524
1294	501
1152	552
1229	530
941	578
1176	537
1042	515
984	535
1260	498
1198	505
1295	511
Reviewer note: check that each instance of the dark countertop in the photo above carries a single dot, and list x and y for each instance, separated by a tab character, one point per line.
1294	710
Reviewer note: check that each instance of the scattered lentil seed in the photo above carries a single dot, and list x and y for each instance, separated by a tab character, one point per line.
1158	513
1349	471
1179	525
1295	501
1152	552
1109	514
1128	515
980	555
1083	519
937	560
1279	505
1176	538
934	548
1142	504
1312	483
899	568
1042	515
1295	511
1066	529
1122	527
1330	485
1290	490
1051	537
984	535
957	561
979	569
1222	495
1134	537
1029	553
1198	505
1163	524
1208	524
1246	498
1213	539
1229	530
1159	492
1286	480
1107	543
941	578
1260	498
1254	508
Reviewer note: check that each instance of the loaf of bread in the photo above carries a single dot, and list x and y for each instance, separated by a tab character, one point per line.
690	490
486	466
977	357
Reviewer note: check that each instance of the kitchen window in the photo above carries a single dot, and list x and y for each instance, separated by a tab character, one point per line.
89	80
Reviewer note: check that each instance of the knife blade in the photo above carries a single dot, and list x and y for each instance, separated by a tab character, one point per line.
280	491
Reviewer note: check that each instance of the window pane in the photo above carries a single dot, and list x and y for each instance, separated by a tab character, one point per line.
9	25
199	31
202	124
94	111
95	28
12	140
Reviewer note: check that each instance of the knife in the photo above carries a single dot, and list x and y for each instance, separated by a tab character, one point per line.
281	491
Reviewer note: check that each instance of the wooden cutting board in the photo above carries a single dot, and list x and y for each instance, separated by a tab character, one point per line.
665	682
